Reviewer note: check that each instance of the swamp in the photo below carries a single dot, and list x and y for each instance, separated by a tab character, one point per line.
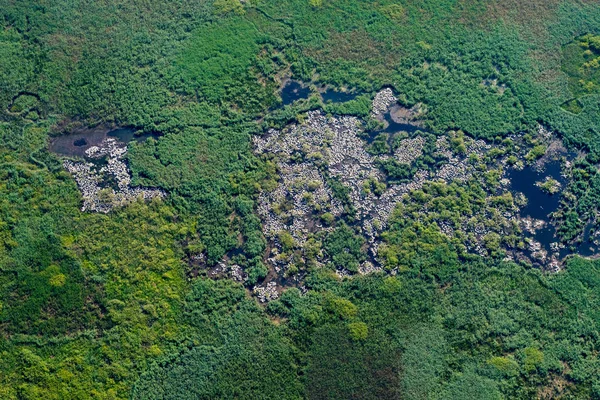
309	199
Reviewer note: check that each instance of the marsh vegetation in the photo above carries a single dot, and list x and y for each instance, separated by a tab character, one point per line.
123	304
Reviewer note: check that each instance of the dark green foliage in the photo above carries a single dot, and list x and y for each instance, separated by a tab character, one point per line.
399	172
379	145
345	248
340	191
485	331
252	367
251	359
360	106
480	109
49	293
215	64
203	169
423	362
471	386
256	271
340	368
396	171
212	301
580	287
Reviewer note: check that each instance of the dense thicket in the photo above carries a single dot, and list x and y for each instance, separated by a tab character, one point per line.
242	354
483	331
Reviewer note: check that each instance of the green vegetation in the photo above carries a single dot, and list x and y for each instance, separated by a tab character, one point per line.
580	200
345	248
581	62
400	172
242	354
574	106
550	186
535	153
471	217
112	306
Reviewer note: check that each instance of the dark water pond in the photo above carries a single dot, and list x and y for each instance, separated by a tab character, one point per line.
331	95
295	90
540	205
127	135
292	91
75	144
394	126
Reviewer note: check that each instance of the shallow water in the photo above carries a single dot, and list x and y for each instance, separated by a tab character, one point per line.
127	135
75	144
331	95
394	126
540	205
292	91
